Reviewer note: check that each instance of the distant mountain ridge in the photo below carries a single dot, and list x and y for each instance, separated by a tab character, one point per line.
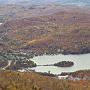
40	2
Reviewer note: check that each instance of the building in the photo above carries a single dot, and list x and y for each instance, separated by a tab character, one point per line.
63	77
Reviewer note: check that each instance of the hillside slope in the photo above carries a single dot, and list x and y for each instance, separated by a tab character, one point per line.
32	81
63	32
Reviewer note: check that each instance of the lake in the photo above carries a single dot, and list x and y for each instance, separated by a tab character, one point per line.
81	62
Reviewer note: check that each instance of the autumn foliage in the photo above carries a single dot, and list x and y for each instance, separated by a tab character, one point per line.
31	81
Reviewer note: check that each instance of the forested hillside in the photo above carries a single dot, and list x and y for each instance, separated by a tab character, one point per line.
31	81
63	32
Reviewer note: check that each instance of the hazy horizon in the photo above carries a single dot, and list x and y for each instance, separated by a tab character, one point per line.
40	2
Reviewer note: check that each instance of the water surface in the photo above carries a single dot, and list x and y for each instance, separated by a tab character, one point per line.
81	62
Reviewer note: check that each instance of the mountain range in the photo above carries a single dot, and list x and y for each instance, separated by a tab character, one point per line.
40	2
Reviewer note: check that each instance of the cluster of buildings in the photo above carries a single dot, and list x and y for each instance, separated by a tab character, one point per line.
68	77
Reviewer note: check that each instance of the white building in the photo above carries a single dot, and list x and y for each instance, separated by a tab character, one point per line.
63	77
0	23
22	70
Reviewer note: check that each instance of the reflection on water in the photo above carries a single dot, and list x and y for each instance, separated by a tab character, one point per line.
80	62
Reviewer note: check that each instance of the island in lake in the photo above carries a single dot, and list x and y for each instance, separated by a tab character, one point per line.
64	64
